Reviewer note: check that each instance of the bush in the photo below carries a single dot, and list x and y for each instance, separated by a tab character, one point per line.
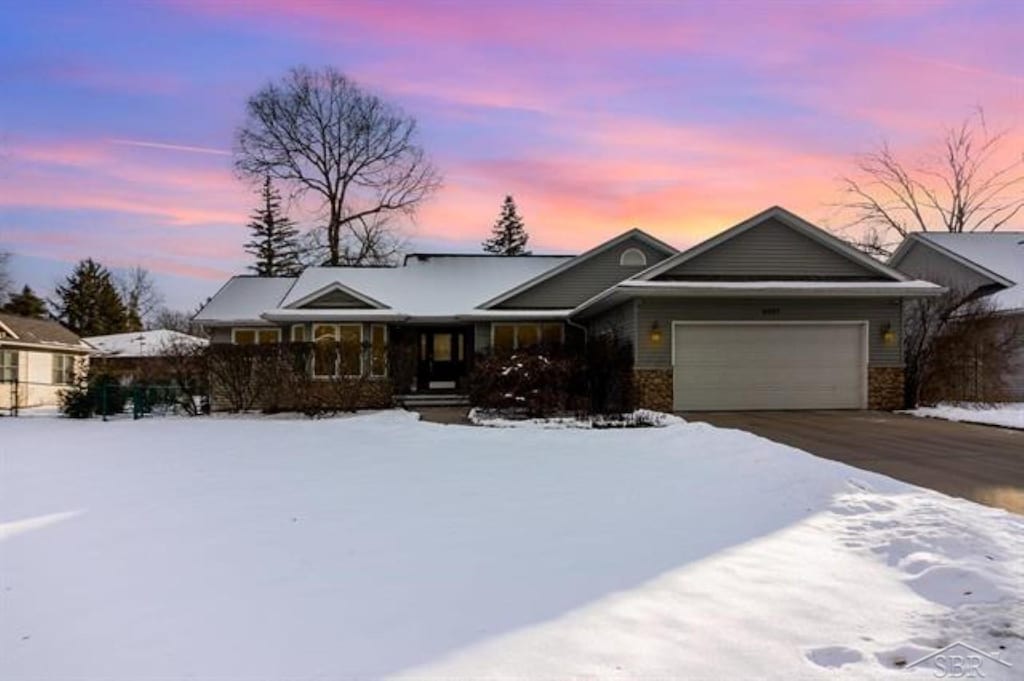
101	394
531	383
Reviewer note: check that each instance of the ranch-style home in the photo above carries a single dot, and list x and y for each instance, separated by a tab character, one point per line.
38	360
773	313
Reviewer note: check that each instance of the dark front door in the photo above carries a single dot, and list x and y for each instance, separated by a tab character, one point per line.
442	359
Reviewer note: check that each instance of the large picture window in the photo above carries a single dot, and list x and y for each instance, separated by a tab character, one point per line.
338	351
8	366
509	337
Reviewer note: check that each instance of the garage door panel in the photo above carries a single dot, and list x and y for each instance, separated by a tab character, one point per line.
769	366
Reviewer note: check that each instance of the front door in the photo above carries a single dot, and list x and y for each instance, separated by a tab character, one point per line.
442	359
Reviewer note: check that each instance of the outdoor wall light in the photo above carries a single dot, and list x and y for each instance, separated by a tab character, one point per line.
888	334
655	334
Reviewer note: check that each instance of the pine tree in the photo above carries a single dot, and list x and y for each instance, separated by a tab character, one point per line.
508	236
274	243
26	304
89	303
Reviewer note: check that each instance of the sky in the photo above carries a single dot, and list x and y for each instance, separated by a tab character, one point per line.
680	118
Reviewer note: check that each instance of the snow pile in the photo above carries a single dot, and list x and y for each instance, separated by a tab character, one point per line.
640	418
1009	415
383	546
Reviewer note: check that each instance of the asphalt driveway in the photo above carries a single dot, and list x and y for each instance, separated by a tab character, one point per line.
981	463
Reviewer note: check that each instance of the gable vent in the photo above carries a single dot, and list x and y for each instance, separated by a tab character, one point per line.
633	257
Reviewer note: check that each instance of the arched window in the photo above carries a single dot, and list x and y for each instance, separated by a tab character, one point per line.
633	257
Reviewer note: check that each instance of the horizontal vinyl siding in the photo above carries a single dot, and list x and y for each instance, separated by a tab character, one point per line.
877	312
924	263
336	299
584	281
481	337
771	249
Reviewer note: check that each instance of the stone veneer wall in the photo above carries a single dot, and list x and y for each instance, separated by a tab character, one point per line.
885	388
653	389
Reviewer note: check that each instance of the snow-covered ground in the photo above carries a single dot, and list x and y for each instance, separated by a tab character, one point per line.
1009	415
381	546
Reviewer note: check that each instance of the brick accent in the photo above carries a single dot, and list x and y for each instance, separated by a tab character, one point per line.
885	388
653	389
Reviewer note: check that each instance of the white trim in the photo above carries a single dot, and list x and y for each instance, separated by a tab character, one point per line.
865	341
256	331
790	220
922	238
8	331
583	257
332	287
635	253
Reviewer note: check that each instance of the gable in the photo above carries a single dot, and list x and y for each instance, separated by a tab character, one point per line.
584	279
770	250
334	299
926	262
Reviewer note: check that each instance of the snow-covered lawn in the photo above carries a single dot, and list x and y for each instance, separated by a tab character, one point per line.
1009	415
380	546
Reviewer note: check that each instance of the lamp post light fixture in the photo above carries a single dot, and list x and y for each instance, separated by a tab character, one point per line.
888	334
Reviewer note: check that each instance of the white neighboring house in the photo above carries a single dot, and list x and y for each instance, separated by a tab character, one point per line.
139	353
988	264
38	358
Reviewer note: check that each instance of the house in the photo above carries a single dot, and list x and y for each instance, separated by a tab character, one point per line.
38	359
987	265
140	355
773	313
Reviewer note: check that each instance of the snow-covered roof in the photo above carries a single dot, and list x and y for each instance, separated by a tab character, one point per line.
426	286
243	299
998	252
143	343
436	286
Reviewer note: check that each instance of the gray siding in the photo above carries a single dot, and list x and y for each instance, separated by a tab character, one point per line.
220	334
770	250
481	336
925	263
336	299
877	312
583	281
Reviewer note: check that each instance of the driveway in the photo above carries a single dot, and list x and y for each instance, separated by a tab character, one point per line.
981	463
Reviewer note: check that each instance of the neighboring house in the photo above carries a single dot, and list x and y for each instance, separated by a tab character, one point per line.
773	313
38	358
988	264
140	355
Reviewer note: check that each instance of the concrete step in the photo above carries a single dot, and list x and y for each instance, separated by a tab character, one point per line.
433	400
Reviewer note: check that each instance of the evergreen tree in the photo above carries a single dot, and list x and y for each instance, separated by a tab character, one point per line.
274	243
508	237
88	302
26	304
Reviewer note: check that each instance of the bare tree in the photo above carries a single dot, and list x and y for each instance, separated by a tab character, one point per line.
968	186
5	275
175	320
321	134
140	295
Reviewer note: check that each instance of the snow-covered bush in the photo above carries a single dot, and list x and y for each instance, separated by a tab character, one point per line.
531	383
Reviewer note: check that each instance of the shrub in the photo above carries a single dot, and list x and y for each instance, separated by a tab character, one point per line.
88	395
531	383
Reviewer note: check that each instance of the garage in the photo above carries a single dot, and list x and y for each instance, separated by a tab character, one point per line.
769	365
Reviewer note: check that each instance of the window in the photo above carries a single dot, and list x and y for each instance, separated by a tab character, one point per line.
255	336
63	369
378	350
339	350
508	337
633	257
8	366
298	333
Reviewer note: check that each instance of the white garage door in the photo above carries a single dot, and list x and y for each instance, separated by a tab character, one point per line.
769	365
